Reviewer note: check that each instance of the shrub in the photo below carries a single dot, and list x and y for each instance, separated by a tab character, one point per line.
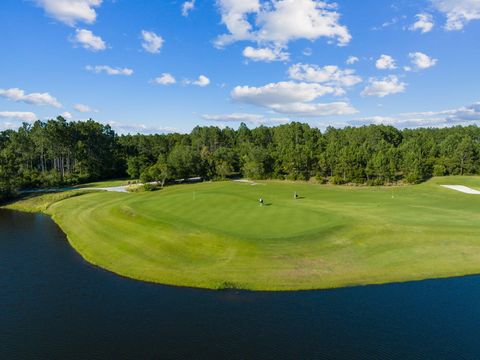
337	180
439	170
151	187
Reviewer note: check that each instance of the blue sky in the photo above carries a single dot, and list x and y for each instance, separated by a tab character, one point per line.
160	65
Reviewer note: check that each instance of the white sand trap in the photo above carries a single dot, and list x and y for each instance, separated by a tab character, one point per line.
245	181
463	189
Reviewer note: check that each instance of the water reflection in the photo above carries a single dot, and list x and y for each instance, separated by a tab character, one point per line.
55	305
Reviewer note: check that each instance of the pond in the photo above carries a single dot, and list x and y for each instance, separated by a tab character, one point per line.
54	305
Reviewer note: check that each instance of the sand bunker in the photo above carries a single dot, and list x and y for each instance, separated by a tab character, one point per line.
463	189
245	181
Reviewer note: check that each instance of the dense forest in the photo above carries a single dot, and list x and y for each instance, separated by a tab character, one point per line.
58	153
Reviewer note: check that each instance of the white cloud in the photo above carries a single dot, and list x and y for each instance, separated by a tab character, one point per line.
385	62
469	113
165	79
66	115
265	54
16	94
187	7
281	92
307	52
330	75
292	98
281	21
19	115
71	11
383	87
234	17
202	81
123	128
352	60
109	70
388	23
424	23
316	109
152	42
89	41
464	116
422	61
459	12
246	118
83	108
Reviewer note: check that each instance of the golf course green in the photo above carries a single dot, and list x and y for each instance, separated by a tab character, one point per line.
216	235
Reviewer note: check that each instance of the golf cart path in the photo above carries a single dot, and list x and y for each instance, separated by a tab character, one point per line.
463	189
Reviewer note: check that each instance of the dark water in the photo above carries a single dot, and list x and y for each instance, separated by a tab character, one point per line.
53	305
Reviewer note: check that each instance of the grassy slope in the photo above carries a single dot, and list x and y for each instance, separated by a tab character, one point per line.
40	202
103	184
212	234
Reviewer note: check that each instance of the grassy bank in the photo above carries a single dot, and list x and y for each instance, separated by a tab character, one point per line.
215	235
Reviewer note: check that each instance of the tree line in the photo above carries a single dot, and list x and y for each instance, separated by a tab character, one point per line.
58	153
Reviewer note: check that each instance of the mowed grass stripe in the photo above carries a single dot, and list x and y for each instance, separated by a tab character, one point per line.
217	235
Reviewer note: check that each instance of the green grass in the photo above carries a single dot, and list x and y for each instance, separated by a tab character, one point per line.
40	202
215	235
103	184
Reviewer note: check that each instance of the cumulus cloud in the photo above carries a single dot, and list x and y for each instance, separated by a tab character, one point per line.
187	7
151	42
385	62
383	87
461	116
292	98
71	11
66	115
254	119
422	61
265	54
83	108
202	81
330	75
424	23
281	92
16	94
89	41
352	60
23	116
109	70
235	18
165	79
280	22
458	12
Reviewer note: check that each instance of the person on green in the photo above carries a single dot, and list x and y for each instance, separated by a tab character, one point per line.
295	195
261	201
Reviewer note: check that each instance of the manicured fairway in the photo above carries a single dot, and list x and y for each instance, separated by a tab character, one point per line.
216	235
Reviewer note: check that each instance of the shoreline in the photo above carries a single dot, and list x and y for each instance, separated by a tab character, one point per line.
309	283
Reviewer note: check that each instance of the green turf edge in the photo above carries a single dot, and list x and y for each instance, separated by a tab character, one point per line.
369	280
373	281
